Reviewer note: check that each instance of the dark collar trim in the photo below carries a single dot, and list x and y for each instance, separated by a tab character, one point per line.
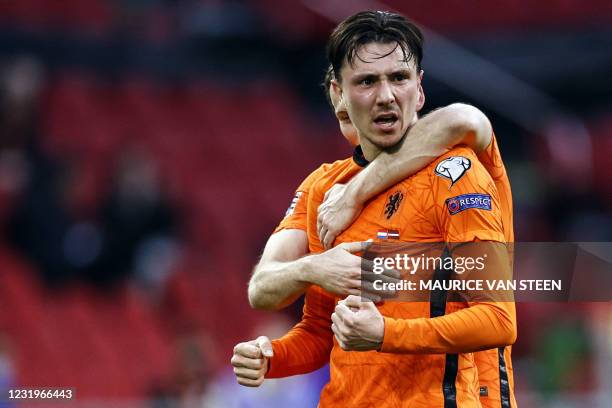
359	158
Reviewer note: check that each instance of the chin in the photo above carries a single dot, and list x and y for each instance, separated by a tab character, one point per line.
387	140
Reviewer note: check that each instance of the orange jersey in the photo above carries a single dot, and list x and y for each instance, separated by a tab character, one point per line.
400	376
295	217
495	371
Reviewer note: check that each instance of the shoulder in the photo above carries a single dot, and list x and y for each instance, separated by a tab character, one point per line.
465	198
312	178
455	155
458	164
329	173
492	160
327	168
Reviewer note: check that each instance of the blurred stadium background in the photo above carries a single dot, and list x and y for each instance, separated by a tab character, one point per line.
149	147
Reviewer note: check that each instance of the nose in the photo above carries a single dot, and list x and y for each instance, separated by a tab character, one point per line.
385	94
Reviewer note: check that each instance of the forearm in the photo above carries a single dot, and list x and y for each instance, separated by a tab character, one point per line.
482	326
274	285
307	346
301	351
430	137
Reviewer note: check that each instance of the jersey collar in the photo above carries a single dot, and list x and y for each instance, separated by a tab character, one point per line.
359	158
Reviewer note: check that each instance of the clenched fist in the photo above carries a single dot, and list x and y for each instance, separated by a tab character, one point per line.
250	361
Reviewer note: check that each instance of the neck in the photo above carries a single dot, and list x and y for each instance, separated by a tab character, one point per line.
370	150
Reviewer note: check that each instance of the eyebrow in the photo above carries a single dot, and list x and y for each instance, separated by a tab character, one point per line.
403	71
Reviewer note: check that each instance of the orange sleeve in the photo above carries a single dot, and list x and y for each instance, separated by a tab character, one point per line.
484	324
481	326
306	347
492	161
295	216
465	203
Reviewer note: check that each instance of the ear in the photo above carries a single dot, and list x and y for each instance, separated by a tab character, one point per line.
336	88
421	97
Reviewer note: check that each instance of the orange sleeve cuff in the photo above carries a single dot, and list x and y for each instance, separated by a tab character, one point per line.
290	225
401	336
275	364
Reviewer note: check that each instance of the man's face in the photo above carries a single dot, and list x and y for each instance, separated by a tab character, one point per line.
381	95
346	126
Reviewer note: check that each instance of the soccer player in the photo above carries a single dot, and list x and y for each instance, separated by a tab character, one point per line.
462	124
283	273
384	92
343	202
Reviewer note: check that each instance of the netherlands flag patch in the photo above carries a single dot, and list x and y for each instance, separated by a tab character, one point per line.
388	234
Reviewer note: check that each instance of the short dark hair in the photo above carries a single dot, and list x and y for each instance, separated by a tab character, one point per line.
373	26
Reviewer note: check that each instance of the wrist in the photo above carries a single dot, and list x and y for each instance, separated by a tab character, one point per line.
307	272
354	194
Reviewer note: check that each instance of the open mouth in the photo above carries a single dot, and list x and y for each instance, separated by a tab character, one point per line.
386	119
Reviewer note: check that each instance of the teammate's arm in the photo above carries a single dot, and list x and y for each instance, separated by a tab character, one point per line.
305	348
280	277
430	137
284	273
